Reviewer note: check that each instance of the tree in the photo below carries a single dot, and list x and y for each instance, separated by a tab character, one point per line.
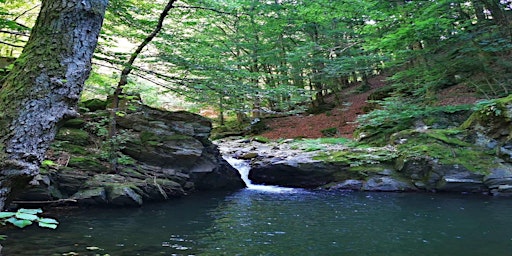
44	86
123	81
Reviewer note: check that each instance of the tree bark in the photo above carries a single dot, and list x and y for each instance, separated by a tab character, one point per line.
44	87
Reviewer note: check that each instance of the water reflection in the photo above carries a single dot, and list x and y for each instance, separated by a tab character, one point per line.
251	222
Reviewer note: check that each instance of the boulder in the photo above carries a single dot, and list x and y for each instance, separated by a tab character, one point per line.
347	185
388	184
300	171
92	196
124	195
499	180
163	155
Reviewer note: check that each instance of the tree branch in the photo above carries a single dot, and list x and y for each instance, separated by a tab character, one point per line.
11	45
206	9
14	33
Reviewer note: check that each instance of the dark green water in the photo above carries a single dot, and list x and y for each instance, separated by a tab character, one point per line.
251	222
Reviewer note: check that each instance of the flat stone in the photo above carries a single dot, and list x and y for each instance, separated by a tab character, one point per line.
348	185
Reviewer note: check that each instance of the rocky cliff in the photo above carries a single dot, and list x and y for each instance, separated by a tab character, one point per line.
161	155
472	157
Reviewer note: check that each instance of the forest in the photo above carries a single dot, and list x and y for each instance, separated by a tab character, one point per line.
251	57
241	60
116	102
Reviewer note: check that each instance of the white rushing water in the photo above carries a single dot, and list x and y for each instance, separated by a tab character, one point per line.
243	168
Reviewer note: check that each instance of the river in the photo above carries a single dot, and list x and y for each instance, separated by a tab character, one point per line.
281	222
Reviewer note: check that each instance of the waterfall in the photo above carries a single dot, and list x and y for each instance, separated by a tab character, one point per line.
243	168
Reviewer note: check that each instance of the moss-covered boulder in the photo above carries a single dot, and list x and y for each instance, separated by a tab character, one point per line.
76	136
491	124
162	155
94	105
92	196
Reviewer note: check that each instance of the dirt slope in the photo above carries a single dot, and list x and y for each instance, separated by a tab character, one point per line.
344	117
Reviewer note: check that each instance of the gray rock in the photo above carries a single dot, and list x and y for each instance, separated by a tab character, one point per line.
124	196
348	185
456	178
501	175
389	184
93	196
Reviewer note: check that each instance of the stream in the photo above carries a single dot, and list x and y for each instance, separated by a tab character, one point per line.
262	220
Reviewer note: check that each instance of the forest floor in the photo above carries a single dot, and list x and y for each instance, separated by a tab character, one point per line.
344	117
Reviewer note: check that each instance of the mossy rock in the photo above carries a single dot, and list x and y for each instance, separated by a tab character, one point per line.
492	118
260	139
74	123
443	146
92	196
359	156
87	164
94	104
124	195
68	147
76	136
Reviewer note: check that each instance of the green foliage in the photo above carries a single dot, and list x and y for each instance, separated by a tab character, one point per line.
396	112
309	145
25	217
488	108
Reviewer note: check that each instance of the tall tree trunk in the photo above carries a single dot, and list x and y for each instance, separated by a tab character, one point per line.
44	86
123	81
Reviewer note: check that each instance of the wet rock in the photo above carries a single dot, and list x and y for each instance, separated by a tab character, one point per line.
500	180
124	196
459	179
296	172
93	196
388	184
347	185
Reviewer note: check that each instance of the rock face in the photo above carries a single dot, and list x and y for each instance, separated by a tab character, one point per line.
337	167
162	155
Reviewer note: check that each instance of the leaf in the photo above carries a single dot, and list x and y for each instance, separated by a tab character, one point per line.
48	221
6	214
19	223
30	211
26	216
47	225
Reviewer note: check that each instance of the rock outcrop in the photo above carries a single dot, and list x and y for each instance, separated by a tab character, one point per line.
445	165
161	155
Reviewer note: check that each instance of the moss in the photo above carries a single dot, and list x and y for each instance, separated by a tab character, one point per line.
491	112
76	136
359	156
261	139
87	164
132	173
149	138
447	150
68	147
74	123
94	104
447	136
